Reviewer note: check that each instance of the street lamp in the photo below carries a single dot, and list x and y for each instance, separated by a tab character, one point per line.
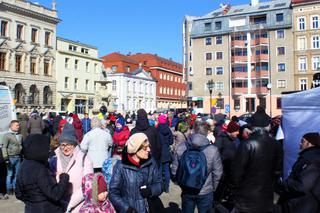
219	101
269	86
210	85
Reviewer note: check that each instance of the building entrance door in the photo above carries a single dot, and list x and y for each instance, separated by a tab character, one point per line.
250	104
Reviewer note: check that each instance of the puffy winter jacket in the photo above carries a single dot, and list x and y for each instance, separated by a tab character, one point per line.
126	182
119	140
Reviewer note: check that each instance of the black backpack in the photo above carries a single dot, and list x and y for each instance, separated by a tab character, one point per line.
192	171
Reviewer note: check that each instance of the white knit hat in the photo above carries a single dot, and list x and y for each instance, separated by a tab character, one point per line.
135	141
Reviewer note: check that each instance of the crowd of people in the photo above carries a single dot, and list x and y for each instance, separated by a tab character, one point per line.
123	163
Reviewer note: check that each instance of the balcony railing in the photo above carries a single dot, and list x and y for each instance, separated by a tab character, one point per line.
239	75
261	57
259	90
239	43
239	58
260	74
239	90
258	41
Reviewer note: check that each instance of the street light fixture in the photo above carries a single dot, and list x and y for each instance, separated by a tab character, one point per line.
210	85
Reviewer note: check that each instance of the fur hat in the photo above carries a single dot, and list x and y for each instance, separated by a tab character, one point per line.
135	141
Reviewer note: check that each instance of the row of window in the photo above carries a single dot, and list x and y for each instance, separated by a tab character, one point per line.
170	78
218	71
21	32
171	91
219	56
302	22
76	84
19	64
67	65
302	42
208	40
135	87
74	48
216	86
303	65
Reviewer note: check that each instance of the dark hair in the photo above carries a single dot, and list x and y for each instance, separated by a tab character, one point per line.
14	121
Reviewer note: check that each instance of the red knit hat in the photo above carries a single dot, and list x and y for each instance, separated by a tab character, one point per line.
102	186
233	127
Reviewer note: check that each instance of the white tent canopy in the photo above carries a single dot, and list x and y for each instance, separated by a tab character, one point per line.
301	114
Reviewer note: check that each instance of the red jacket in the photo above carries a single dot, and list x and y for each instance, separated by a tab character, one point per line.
120	138
77	124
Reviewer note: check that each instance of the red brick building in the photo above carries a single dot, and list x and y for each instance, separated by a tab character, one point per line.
171	88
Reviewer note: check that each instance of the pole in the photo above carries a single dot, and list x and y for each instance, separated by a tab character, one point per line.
210	90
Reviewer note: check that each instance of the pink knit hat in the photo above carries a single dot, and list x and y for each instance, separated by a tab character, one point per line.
162	119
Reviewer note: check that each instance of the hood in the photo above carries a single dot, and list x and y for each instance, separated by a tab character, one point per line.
77	123
199	140
142	124
164	129
312	154
37	148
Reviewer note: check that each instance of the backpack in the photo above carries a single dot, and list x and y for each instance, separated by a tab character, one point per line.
192	171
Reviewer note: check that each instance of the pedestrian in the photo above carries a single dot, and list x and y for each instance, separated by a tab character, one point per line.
56	122
71	160
39	190
120	136
11	150
77	124
142	125
135	178
198	180
299	193
256	166
180	134
97	143
24	126
35	123
166	138
86	123
95	191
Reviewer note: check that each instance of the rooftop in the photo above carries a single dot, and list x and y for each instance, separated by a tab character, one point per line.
76	43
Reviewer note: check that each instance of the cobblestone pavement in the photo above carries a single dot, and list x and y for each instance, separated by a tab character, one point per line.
171	201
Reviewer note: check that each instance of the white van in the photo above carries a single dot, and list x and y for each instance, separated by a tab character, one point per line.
7	109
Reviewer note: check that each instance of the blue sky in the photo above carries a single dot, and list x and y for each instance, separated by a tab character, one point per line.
130	25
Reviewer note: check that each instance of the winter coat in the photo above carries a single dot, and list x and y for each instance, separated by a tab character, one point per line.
79	166
35	185
257	164
300	193
126	182
77	124
214	164
227	148
97	143
166	138
119	140
11	144
142	125
91	202
35	125
86	125
56	121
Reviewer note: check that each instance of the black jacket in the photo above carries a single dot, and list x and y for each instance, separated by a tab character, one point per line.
142	125
227	149
166	138
35	185
300	193
257	165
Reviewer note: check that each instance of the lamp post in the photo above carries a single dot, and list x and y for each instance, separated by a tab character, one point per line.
269	86
220	95
210	85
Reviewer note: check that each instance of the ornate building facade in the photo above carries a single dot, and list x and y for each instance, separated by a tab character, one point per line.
27	53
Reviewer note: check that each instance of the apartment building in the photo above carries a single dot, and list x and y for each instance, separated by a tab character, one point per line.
171	87
81	79
246	51
306	35
27	53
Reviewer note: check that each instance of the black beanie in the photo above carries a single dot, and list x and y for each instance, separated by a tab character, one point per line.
260	119
313	138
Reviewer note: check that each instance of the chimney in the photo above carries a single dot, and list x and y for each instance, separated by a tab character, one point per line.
54	5
254	2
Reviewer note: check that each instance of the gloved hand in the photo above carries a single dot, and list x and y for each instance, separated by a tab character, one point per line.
64	176
145	191
131	210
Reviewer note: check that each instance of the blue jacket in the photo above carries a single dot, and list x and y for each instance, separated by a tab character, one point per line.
166	139
124	189
86	125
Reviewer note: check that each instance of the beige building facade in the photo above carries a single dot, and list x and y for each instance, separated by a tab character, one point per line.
27	53
246	51
306	33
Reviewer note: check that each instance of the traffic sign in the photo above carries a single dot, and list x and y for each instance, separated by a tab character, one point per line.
227	108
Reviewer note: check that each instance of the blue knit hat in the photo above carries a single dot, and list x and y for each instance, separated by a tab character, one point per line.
121	121
68	135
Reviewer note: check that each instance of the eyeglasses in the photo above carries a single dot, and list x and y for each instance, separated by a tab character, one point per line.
65	145
146	148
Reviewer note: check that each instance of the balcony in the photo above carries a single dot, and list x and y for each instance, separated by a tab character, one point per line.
259	41
239	75
239	43
261	57
260	74
239	58
239	90
259	90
